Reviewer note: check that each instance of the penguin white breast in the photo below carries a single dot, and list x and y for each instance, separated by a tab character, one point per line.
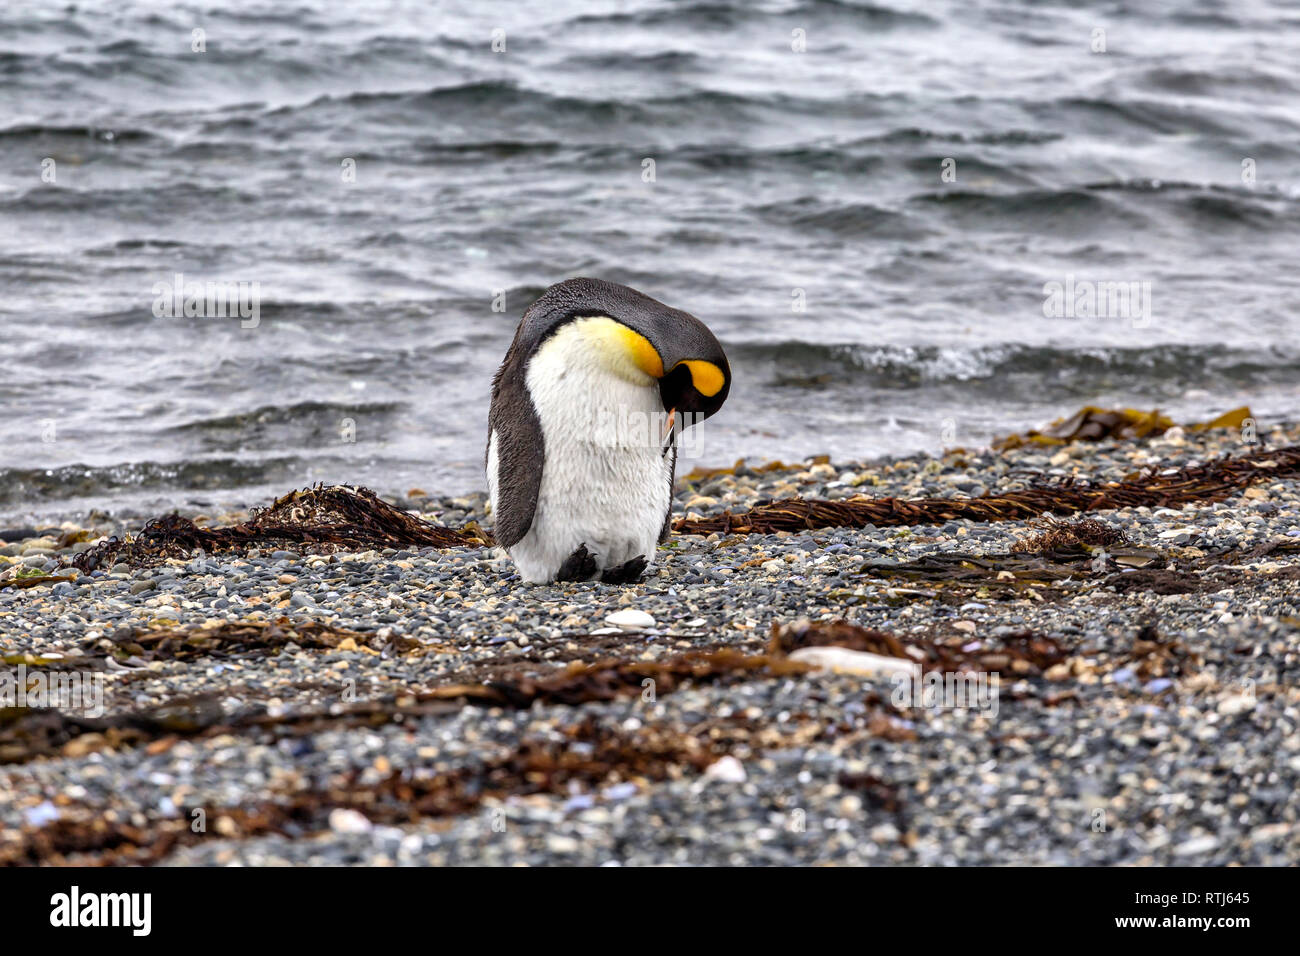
606	482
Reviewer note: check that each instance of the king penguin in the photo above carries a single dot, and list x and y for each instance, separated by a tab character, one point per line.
581	432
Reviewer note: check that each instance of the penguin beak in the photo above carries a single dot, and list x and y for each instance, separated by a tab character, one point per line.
669	424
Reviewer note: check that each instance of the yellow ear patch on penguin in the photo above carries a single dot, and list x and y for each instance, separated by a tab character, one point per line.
705	376
623	351
644	355
630	354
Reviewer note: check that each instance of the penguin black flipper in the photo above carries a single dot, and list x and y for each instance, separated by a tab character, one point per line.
515	432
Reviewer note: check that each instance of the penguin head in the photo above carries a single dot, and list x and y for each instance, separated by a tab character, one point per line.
639	338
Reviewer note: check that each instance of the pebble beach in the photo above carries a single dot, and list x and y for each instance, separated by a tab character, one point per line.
1160	728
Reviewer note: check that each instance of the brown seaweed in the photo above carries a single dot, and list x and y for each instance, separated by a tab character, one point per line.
605	680
33	580
1020	654
1013	570
1154	488
1097	424
322	518
588	755
28	733
32	733
1159	581
1058	535
231	639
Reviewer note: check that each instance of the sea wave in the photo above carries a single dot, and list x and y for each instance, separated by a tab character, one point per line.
22	486
1088	368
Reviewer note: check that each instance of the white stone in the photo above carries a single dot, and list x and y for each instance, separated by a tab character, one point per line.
630	620
348	821
842	660
727	770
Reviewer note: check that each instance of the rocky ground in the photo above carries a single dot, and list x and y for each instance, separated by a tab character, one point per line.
1159	726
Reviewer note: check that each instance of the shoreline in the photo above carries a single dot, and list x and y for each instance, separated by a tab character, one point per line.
1161	714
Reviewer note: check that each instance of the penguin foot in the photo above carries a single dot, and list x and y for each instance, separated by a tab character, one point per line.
579	566
629	572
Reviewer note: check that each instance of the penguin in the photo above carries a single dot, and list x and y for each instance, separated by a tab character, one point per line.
582	429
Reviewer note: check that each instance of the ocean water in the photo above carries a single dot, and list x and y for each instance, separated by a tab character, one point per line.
869	203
